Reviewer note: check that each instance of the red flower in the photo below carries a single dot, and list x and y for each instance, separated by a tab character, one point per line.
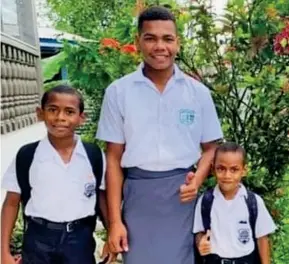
281	42
128	48
110	43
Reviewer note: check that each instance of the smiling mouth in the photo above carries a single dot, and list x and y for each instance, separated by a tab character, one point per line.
60	127
160	57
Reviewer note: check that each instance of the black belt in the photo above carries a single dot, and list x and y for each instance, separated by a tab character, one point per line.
67	226
215	259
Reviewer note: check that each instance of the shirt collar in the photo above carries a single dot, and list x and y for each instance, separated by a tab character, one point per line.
242	192
139	76
46	151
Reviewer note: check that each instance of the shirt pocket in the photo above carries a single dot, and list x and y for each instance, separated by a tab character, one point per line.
187	121
244	233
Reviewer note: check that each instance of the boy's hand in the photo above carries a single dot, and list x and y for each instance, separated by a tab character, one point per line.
117	238
204	244
107	254
7	258
189	190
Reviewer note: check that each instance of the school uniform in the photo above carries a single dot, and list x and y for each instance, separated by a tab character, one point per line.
59	208
231	233
162	133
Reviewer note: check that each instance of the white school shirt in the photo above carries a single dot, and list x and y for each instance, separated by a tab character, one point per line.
161	131
231	234
58	189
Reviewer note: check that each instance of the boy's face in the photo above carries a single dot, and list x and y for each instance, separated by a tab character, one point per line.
229	170
61	114
159	43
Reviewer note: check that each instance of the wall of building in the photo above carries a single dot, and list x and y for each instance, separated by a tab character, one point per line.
21	84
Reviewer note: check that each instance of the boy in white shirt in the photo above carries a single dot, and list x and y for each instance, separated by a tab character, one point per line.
59	182
231	223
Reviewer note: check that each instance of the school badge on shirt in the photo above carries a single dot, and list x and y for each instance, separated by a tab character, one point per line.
89	188
244	235
187	116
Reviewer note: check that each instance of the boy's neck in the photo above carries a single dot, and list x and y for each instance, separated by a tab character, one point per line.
230	195
62	143
158	77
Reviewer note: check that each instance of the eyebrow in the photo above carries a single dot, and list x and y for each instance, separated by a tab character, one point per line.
163	36
67	107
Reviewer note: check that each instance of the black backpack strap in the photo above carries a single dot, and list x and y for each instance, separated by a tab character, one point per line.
24	160
94	155
206	207
251	202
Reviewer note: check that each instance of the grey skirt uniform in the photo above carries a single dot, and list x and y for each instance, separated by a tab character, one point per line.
159	225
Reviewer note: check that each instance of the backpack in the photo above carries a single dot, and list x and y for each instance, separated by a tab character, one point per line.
206	207
24	160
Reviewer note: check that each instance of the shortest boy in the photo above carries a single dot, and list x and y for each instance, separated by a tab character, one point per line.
58	180
232	224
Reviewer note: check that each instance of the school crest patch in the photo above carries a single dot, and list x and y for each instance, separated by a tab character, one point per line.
244	235
89	189
187	116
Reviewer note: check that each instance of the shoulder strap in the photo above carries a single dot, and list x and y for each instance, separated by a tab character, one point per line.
94	155
24	160
251	202
206	207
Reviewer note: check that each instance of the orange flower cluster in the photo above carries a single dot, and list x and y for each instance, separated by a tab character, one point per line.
128	48
110	43
114	44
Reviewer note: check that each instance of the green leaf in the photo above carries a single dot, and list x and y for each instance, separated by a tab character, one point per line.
239	3
249	79
52	65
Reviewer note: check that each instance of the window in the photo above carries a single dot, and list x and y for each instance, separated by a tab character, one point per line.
18	21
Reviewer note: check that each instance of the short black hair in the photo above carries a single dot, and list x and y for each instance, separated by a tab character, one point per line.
63	89
155	13
231	147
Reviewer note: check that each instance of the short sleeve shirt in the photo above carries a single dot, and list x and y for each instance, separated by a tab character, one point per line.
161	131
59	191
231	234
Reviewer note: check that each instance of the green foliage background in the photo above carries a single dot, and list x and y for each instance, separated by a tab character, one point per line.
233	55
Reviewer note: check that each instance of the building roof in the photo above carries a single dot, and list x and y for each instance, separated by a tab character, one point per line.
51	33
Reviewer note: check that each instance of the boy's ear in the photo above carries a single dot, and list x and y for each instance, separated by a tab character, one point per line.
39	113
245	171
179	43
136	41
212	168
82	118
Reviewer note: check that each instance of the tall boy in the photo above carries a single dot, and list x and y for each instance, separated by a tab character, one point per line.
158	123
57	180
232	223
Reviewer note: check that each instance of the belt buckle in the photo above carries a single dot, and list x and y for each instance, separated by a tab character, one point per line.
69	227
227	261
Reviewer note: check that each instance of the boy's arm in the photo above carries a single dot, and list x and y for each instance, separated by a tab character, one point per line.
103	207
264	249
264	226
9	214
